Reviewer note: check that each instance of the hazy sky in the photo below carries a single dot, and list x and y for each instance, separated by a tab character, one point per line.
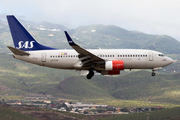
149	16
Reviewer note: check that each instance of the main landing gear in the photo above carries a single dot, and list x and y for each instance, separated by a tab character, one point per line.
90	74
153	73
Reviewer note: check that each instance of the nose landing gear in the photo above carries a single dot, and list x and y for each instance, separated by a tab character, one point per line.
153	73
90	74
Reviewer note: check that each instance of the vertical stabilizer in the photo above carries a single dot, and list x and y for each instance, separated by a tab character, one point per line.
21	37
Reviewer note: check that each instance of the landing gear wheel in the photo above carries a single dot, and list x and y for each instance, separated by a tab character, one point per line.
153	74
90	74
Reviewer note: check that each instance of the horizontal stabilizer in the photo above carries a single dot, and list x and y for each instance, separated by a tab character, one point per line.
18	52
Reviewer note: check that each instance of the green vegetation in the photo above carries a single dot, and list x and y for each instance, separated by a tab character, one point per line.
137	86
20	78
34	113
134	88
116	37
9	114
25	113
136	103
165	114
72	115
113	37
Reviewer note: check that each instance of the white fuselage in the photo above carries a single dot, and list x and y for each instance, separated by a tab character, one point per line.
68	59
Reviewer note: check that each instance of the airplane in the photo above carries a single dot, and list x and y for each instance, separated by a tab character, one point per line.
104	61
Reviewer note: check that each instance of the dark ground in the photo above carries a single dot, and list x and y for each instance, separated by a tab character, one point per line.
47	114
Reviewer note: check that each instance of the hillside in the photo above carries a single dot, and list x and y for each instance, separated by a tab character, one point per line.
135	86
30	113
95	36
18	78
36	113
166	114
8	114
110	36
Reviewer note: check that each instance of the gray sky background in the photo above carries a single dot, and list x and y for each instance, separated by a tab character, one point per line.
149	16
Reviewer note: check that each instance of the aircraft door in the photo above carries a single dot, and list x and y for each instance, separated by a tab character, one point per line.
150	56
43	57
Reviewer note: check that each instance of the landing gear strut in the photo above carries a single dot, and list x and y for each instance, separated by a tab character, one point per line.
90	74
153	73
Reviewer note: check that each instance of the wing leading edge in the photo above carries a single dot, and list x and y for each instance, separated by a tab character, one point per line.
87	58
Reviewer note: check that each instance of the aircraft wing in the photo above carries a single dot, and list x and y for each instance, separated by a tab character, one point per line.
87	58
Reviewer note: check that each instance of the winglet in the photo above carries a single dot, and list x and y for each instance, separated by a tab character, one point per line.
70	41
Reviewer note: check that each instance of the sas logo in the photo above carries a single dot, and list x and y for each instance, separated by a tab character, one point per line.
70	41
25	45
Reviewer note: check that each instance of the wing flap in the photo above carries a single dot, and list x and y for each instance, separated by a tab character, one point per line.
18	52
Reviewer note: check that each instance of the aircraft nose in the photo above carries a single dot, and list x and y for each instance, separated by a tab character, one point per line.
170	61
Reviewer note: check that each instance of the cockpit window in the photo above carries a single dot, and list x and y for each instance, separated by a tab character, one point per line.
161	55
